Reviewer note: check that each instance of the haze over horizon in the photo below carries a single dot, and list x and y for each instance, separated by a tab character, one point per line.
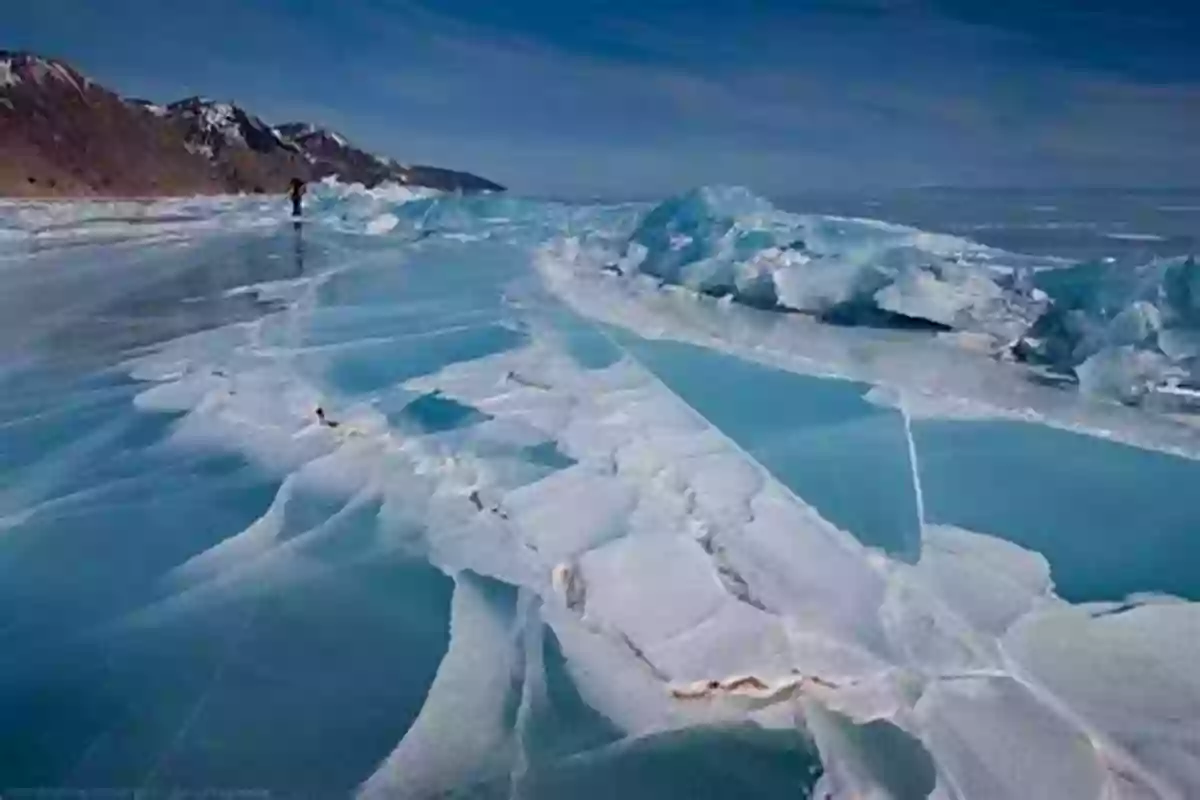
646	98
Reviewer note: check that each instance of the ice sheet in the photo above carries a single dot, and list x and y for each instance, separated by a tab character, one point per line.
656	567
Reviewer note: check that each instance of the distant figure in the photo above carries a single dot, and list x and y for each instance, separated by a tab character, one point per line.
296	191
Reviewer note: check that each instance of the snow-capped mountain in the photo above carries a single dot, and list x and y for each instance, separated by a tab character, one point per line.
333	154
245	152
213	127
63	134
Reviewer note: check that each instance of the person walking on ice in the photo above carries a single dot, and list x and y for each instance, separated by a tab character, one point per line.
296	191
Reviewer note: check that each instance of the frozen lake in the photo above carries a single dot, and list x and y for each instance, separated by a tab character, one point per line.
565	526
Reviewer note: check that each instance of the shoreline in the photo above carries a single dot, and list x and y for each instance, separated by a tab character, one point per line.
141	198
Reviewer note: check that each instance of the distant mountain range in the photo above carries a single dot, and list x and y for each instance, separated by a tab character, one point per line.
63	134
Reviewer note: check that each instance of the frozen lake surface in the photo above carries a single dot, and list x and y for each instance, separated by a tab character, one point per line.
492	497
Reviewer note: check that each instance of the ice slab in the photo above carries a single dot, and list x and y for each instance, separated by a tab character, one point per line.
995	740
1128	675
986	580
477	681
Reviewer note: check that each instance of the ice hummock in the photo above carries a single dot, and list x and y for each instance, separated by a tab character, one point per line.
520	552
1129	334
722	240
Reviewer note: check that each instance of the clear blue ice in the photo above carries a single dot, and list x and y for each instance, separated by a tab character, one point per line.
605	501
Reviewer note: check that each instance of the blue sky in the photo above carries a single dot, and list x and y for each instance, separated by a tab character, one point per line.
643	97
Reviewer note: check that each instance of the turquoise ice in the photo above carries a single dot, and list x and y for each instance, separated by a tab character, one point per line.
581	515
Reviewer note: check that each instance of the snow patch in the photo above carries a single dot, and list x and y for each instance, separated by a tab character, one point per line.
37	69
59	72
8	75
382	224
1136	237
221	117
205	150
